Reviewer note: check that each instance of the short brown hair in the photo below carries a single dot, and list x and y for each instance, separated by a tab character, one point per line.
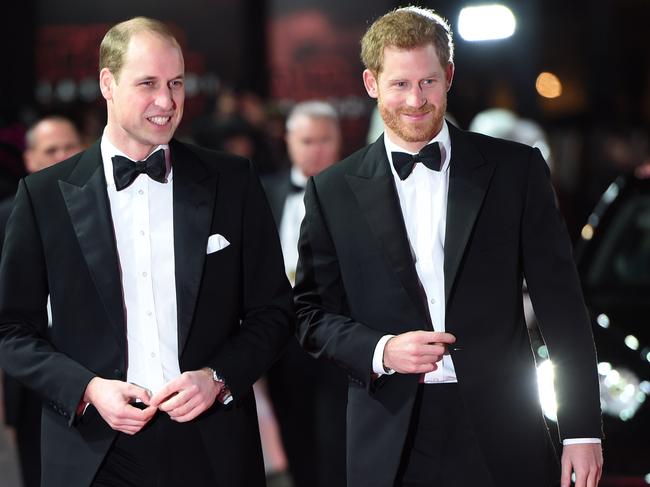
406	28
116	41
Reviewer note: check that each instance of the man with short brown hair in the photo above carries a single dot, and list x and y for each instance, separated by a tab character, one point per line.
413	252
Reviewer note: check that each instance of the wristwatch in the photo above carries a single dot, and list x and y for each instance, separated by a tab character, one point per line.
225	396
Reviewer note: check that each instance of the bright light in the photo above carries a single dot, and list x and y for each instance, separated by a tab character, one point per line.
548	85
603	320
647	479
542	352
546	389
632	342
604	368
611	193
486	22
621	394
587	232
645	387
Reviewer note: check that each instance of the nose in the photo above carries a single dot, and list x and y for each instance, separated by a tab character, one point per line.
165	98
416	97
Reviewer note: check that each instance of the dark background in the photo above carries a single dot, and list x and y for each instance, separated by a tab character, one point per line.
291	50
284	51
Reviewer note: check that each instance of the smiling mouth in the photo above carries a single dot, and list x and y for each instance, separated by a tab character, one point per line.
416	114
160	121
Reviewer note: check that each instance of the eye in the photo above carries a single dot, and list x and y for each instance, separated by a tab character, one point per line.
177	83
146	83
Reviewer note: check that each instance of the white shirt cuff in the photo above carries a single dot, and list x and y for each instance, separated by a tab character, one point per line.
378	357
575	441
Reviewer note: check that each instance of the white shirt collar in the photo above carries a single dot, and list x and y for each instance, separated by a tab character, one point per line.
441	137
298	178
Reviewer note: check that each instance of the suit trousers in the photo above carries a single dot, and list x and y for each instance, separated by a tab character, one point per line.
163	454
441	449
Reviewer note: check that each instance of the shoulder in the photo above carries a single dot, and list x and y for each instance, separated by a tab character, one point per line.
494	147
336	173
49	176
509	156
276	181
213	160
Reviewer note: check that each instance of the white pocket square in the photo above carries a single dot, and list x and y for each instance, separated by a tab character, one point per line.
217	242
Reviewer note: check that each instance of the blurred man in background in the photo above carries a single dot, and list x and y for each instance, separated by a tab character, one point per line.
48	141
309	395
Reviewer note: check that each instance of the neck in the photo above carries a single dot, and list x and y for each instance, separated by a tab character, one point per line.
132	149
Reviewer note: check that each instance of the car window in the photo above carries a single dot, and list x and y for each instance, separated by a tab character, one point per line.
623	258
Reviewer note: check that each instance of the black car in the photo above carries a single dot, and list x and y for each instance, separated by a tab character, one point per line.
613	258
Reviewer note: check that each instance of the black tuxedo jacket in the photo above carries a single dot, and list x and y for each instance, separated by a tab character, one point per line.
234	305
277	188
356	282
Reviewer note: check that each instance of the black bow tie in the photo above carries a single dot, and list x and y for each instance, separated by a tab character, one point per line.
295	188
429	155
125	170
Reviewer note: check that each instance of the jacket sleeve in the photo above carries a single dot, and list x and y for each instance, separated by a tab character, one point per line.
324	326
25	351
268	319
557	299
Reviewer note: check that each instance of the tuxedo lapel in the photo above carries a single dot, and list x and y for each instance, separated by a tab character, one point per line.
87	203
469	177
194	195
374	189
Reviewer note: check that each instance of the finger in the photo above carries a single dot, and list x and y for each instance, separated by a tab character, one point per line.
168	391
133	391
128	430
173	387
432	349
176	400
186	408
443	337
592	478
581	479
566	474
189	416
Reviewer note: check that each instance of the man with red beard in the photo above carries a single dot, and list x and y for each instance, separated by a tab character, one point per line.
412	255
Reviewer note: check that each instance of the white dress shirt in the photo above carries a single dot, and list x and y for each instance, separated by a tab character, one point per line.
423	200
292	214
143	221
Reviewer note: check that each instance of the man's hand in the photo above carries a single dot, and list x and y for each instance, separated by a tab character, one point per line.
416	352
111	398
188	395
586	460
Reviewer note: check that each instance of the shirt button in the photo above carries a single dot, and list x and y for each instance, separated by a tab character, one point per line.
140	191
149	313
432	300
153	355
142	232
144	274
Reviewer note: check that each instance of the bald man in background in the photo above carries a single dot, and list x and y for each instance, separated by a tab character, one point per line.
48	141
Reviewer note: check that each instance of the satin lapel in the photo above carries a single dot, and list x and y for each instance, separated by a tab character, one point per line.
194	195
374	189
469	178
87	202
